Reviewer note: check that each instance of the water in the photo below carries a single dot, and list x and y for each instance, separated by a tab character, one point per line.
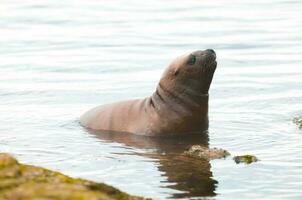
60	58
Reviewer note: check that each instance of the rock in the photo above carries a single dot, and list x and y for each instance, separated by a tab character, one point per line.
198	151
26	182
6	160
247	159
298	121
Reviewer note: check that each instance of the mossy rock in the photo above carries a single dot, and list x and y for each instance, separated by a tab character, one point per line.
247	159
26	182
298	121
198	151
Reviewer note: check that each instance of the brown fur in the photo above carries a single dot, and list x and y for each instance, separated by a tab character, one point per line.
178	106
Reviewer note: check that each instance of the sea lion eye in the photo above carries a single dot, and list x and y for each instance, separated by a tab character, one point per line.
192	60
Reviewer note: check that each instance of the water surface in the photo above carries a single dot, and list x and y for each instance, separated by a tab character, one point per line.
60	58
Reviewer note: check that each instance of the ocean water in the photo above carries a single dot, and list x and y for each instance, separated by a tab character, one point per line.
61	58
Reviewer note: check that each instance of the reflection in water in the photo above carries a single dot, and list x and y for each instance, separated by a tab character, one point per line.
191	176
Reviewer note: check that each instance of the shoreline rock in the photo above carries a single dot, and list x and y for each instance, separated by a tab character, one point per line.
198	151
298	121
205	153
21	181
247	159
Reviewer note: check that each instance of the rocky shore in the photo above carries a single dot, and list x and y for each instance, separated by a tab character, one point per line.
298	121
26	182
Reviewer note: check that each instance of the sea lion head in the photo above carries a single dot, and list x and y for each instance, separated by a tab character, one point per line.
190	73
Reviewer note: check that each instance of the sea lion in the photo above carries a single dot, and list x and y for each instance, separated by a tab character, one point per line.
178	106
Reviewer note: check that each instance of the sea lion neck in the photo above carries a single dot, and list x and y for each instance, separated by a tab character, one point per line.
180	99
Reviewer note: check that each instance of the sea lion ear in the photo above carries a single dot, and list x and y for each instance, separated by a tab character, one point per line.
176	71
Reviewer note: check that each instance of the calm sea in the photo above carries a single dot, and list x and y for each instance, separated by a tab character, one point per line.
60	58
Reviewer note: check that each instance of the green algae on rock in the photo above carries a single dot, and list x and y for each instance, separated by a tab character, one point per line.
26	182
247	159
198	151
298	121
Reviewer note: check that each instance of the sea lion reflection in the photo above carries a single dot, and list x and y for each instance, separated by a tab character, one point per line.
192	177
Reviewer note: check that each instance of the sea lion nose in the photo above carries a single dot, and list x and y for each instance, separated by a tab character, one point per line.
211	51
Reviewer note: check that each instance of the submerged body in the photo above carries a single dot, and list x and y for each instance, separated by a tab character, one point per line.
178	106
146	117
